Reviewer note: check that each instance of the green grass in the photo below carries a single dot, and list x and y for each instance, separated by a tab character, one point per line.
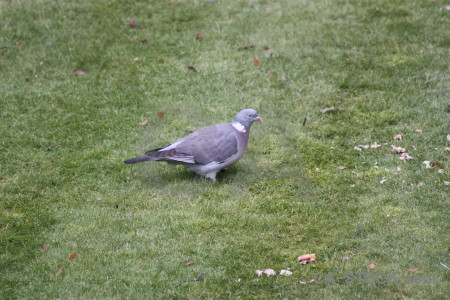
64	138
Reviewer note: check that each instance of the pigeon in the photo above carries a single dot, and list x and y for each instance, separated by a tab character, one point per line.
208	150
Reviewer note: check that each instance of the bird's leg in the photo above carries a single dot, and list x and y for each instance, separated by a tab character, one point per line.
211	175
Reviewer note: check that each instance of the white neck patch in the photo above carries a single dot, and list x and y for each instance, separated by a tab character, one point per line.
239	127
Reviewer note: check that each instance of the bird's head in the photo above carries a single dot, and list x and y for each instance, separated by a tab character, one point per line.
246	117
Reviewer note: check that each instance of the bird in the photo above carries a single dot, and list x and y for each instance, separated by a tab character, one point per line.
208	150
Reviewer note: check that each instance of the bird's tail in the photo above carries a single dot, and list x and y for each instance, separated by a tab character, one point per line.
138	159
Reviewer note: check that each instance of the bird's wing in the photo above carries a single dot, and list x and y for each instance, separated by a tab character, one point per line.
216	143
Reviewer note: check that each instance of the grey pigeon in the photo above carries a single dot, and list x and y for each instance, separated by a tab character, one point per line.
208	150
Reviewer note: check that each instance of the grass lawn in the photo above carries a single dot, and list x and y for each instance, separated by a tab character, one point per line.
151	231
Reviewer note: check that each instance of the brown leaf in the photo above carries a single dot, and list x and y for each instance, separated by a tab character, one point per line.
79	72
306	258
133	23
412	270
192	69
18	43
246	48
398	149
398	137
187	262
199	35
372	266
143	123
270	73
27	79
160	114
436	164
72	256
345	91
59	272
44	247
256	61
143	41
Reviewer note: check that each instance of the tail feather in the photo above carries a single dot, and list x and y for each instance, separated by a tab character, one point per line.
138	159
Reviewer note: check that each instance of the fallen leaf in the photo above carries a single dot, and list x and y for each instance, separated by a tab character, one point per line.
79	72
330	109
259	273
448	137
160	114
44	247
187	262
256	61
441	171
405	156
306	258
383	181
72	256
317	169
345	91
191	69
398	149
27	79
246	48
270	73
375	146
143	41
285	273
448	148
412	270
447	182
341	168
357	148
99	198
398	137
143	123
420	183
270	272
427	164
372	266
18	43
133	23
199	35
419	131
436	164
312	281
59	272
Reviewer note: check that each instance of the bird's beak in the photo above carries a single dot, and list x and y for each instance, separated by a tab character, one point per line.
259	119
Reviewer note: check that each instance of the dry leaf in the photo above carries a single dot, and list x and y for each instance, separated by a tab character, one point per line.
398	137
18	43
44	247
441	171
72	256
133	23
256	61
191	69
427	164
447	182
372	266
187	262
143	41
418	130
420	183
27	79
398	149
160	114
199	35
59	272
405	156
436	164
143	123
79	72
341	168
306	258
375	146
246	48
357	148
383	181
317	169
285	273
259	273
412	270
270	272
